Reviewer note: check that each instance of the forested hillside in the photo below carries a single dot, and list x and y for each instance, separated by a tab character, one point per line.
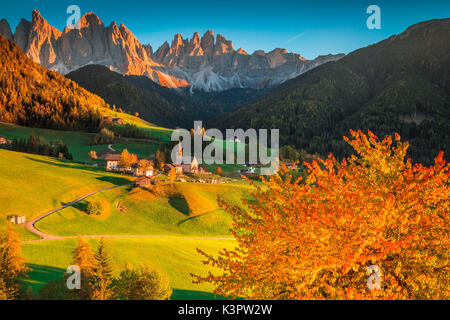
401	84
156	104
153	102
31	95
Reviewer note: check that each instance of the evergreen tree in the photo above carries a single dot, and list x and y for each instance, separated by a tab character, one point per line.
103	275
160	159
84	258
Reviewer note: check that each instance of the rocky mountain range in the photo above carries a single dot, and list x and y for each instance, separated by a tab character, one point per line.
208	63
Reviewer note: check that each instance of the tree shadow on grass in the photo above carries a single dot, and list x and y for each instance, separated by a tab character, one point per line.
198	216
81	206
115	180
68	164
118	180
179	203
40	275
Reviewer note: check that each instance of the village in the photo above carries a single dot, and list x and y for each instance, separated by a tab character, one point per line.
186	168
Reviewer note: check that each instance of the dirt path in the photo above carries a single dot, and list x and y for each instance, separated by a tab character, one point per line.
30	225
48	237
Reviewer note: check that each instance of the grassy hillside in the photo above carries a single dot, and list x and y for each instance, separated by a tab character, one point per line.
177	258
401	85
191	209
32	185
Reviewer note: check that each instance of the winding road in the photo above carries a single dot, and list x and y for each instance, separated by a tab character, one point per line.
46	237
31	225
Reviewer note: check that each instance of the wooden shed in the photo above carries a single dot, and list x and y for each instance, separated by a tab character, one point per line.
18	219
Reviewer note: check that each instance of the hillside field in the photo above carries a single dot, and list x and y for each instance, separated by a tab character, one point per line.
176	258
31	184
160	230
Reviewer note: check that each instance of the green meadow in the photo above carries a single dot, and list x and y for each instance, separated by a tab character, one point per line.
32	185
176	258
141	227
190	210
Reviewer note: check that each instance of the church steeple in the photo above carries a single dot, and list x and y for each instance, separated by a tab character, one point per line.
180	153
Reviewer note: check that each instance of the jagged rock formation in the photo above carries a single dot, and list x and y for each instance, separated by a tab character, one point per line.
205	63
212	64
5	29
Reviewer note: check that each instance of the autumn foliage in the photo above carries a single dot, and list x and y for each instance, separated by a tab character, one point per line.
12	265
315	238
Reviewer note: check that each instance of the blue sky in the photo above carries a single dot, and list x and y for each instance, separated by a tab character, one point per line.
310	28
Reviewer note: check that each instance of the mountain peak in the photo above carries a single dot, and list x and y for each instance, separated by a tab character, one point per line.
223	45
177	41
209	33
207	42
242	51
126	32
22	33
196	37
90	19
36	15
205	63
41	26
5	29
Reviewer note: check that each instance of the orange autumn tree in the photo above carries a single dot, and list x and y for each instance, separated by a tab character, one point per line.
315	239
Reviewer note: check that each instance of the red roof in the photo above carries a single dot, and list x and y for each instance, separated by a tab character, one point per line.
112	157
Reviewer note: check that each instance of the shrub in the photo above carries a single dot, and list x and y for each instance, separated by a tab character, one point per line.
94	208
105	136
142	284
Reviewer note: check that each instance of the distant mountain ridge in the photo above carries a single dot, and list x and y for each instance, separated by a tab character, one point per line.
401	84
206	63
157	104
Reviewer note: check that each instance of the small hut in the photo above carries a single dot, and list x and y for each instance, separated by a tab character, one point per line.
17	219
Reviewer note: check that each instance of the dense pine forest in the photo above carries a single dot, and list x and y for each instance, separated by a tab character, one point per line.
399	85
31	95
38	145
